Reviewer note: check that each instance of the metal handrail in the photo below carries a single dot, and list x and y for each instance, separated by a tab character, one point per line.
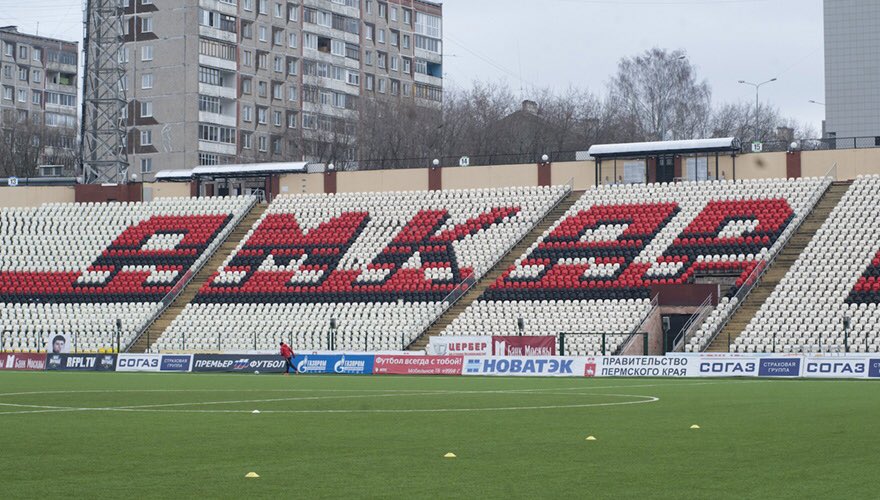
175	291
655	305
758	272
447	304
692	324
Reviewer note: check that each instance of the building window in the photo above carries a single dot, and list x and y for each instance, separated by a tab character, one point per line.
262	89
291	67
383	10
146	109
23	73
210	104
247	140
37	55
407	16
382	85
368	57
261	115
23	52
8	49
278	37
279	11
147	53
406	41
209	159
263	143
292	40
291	120
264	6
264	34
291	93
37	76
146	81
146	165
277	91
247	58
292	12
247	86
247	30
368	82
310	41
407	65
276	118
380	36
395	38
262	60
394	63
22	95
247	5
7	93
310	121
123	55
146	25
146	137
353	78
210	76
36	97
247	113
279	64
368	31
380	60
394	14
216	133
276	146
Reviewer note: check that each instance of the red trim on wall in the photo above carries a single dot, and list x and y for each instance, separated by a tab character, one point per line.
330	181
793	164
435	178
545	173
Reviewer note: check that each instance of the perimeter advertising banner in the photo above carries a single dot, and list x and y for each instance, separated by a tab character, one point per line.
815	367
460	345
417	365
643	366
234	363
531	366
349	364
81	362
22	361
154	363
527	345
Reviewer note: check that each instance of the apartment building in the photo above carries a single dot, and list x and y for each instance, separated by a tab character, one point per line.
852	69
38	104
213	82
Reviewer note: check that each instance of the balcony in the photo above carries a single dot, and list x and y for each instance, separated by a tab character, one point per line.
216	62
218	119
218	34
217	91
218	148
428	79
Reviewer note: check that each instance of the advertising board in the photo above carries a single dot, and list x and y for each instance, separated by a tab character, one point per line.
417	365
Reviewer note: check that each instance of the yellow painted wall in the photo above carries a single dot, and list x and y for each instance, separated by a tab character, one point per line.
410	179
850	162
490	176
34	196
583	173
301	183
168	189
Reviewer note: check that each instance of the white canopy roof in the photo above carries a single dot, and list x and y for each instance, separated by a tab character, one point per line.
243	169
649	148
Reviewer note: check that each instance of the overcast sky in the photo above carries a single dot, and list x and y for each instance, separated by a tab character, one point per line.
557	43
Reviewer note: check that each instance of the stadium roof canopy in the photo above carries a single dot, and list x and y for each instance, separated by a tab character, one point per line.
233	171
729	145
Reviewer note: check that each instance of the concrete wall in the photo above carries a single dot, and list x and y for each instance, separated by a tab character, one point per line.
583	173
414	179
34	196
491	176
167	189
850	162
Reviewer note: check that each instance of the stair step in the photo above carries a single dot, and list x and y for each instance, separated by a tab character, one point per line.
780	267
189	292
495	272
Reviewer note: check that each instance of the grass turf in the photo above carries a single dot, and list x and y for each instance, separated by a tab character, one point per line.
357	437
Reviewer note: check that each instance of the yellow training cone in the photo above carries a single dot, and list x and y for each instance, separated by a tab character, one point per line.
251	475
591	438
695	426
449	455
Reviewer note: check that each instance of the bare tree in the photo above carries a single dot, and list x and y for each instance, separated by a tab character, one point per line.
657	96
25	144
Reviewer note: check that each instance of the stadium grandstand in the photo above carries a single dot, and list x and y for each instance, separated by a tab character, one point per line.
385	260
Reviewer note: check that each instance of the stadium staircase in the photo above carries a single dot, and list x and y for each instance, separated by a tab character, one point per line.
192	288
493	274
779	268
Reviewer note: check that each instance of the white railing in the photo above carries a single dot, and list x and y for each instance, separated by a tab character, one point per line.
639	328
693	324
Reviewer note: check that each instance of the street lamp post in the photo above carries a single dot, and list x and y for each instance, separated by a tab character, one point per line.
757	87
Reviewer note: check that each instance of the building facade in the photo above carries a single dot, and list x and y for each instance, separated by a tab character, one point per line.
38	104
852	68
212	82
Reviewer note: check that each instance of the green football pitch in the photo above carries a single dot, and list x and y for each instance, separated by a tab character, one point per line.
113	435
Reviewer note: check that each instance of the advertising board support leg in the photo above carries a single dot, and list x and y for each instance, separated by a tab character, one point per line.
603	345
219	349
118	334
644	344
332	340
562	344
255	341
3	335
76	343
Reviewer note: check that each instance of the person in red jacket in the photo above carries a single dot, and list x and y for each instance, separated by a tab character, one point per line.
287	354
